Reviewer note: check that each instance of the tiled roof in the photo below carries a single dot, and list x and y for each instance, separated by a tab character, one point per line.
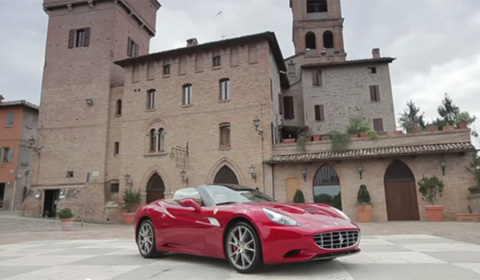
373	153
350	62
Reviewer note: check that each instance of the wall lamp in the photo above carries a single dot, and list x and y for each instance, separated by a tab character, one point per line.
89	101
256	123
128	179
304	174
360	171
252	172
443	164
183	175
31	144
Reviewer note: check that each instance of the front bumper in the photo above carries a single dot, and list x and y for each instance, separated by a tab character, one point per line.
284	244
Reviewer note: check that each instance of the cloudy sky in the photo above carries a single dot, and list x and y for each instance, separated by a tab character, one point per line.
436	42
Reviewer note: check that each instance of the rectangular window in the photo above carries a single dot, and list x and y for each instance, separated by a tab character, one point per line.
79	38
217	61
288	107
291	69
166	69
375	93
317	6
69	174
187	95
372	70
225	135
225	89
114	187
30	120
319	113
317	78
378	125
132	48
150	70
6	155
9	120
116	149
151	99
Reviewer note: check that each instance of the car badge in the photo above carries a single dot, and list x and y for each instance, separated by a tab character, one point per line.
340	239
335	223
215	211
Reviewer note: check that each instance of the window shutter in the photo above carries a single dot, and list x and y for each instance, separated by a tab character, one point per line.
378	124
322	113
280	104
137	49
372	93
86	41
288	107
129	47
317	112
314	78
71	37
377	93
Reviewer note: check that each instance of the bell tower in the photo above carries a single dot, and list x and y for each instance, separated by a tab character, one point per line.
318	30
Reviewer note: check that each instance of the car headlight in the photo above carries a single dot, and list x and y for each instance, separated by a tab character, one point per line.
343	215
280	219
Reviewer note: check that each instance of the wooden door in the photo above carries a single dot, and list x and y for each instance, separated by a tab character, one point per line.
401	193
155	188
225	176
292	186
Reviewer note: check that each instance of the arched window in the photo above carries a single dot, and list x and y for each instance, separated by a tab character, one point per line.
151	99
310	41
224	89
160	140
225	135
328	40
317	6
118	110
326	187
187	94
157	140
153	140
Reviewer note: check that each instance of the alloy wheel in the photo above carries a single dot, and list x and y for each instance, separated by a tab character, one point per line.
241	248
145	238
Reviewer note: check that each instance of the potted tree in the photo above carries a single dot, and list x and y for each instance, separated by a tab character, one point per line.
364	205
131	201
299	198
66	218
431	188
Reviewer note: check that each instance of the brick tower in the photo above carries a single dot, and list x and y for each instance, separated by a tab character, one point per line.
84	38
318	30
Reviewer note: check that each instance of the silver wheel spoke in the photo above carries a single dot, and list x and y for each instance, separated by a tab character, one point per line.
241	239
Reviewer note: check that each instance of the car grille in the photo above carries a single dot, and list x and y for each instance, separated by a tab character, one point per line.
337	239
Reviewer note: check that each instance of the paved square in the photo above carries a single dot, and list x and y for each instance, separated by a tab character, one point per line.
413	256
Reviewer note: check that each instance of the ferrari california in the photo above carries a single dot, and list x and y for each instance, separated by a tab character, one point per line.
244	226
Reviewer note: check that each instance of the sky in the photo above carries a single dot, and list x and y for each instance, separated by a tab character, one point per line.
436	43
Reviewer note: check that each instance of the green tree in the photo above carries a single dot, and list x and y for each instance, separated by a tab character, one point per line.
299	198
411	117
450	114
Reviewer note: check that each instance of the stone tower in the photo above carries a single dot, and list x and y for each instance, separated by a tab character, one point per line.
318	30
84	38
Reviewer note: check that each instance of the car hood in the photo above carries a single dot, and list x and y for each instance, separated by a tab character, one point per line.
304	213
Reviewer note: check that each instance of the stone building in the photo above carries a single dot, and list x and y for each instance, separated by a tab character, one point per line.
114	116
18	121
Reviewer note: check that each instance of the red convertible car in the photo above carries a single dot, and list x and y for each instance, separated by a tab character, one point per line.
244	226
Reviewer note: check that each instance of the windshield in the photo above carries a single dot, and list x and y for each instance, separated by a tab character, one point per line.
235	194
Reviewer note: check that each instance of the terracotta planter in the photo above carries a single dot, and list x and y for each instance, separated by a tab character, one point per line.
463	125
326	137
288	140
383	134
417	130
364	213
363	134
67	224
432	128
398	132
128	218
317	137
434	213
468	217
448	128
308	139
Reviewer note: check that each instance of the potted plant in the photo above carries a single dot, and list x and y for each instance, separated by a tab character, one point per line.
299	198
131	201
431	188
66	218
364	205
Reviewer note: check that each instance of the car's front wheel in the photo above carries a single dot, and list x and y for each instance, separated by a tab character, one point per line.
243	248
146	240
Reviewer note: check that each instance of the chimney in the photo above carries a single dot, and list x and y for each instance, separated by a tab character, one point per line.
376	53
192	42
1	99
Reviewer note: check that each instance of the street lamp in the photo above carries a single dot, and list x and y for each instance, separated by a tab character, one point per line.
304	174
443	164
252	172
31	143
360	171
183	175
128	179
256	123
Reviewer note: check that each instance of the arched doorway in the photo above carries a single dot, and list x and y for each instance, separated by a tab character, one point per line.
326	187
155	188
225	176
400	193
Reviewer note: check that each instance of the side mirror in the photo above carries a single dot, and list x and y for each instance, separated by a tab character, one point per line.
190	203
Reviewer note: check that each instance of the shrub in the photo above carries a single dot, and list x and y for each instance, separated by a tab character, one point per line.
357	125
299	198
430	188
372	134
131	200
363	196
340	141
66	213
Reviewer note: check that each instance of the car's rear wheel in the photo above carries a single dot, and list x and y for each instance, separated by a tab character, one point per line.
243	248
146	240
